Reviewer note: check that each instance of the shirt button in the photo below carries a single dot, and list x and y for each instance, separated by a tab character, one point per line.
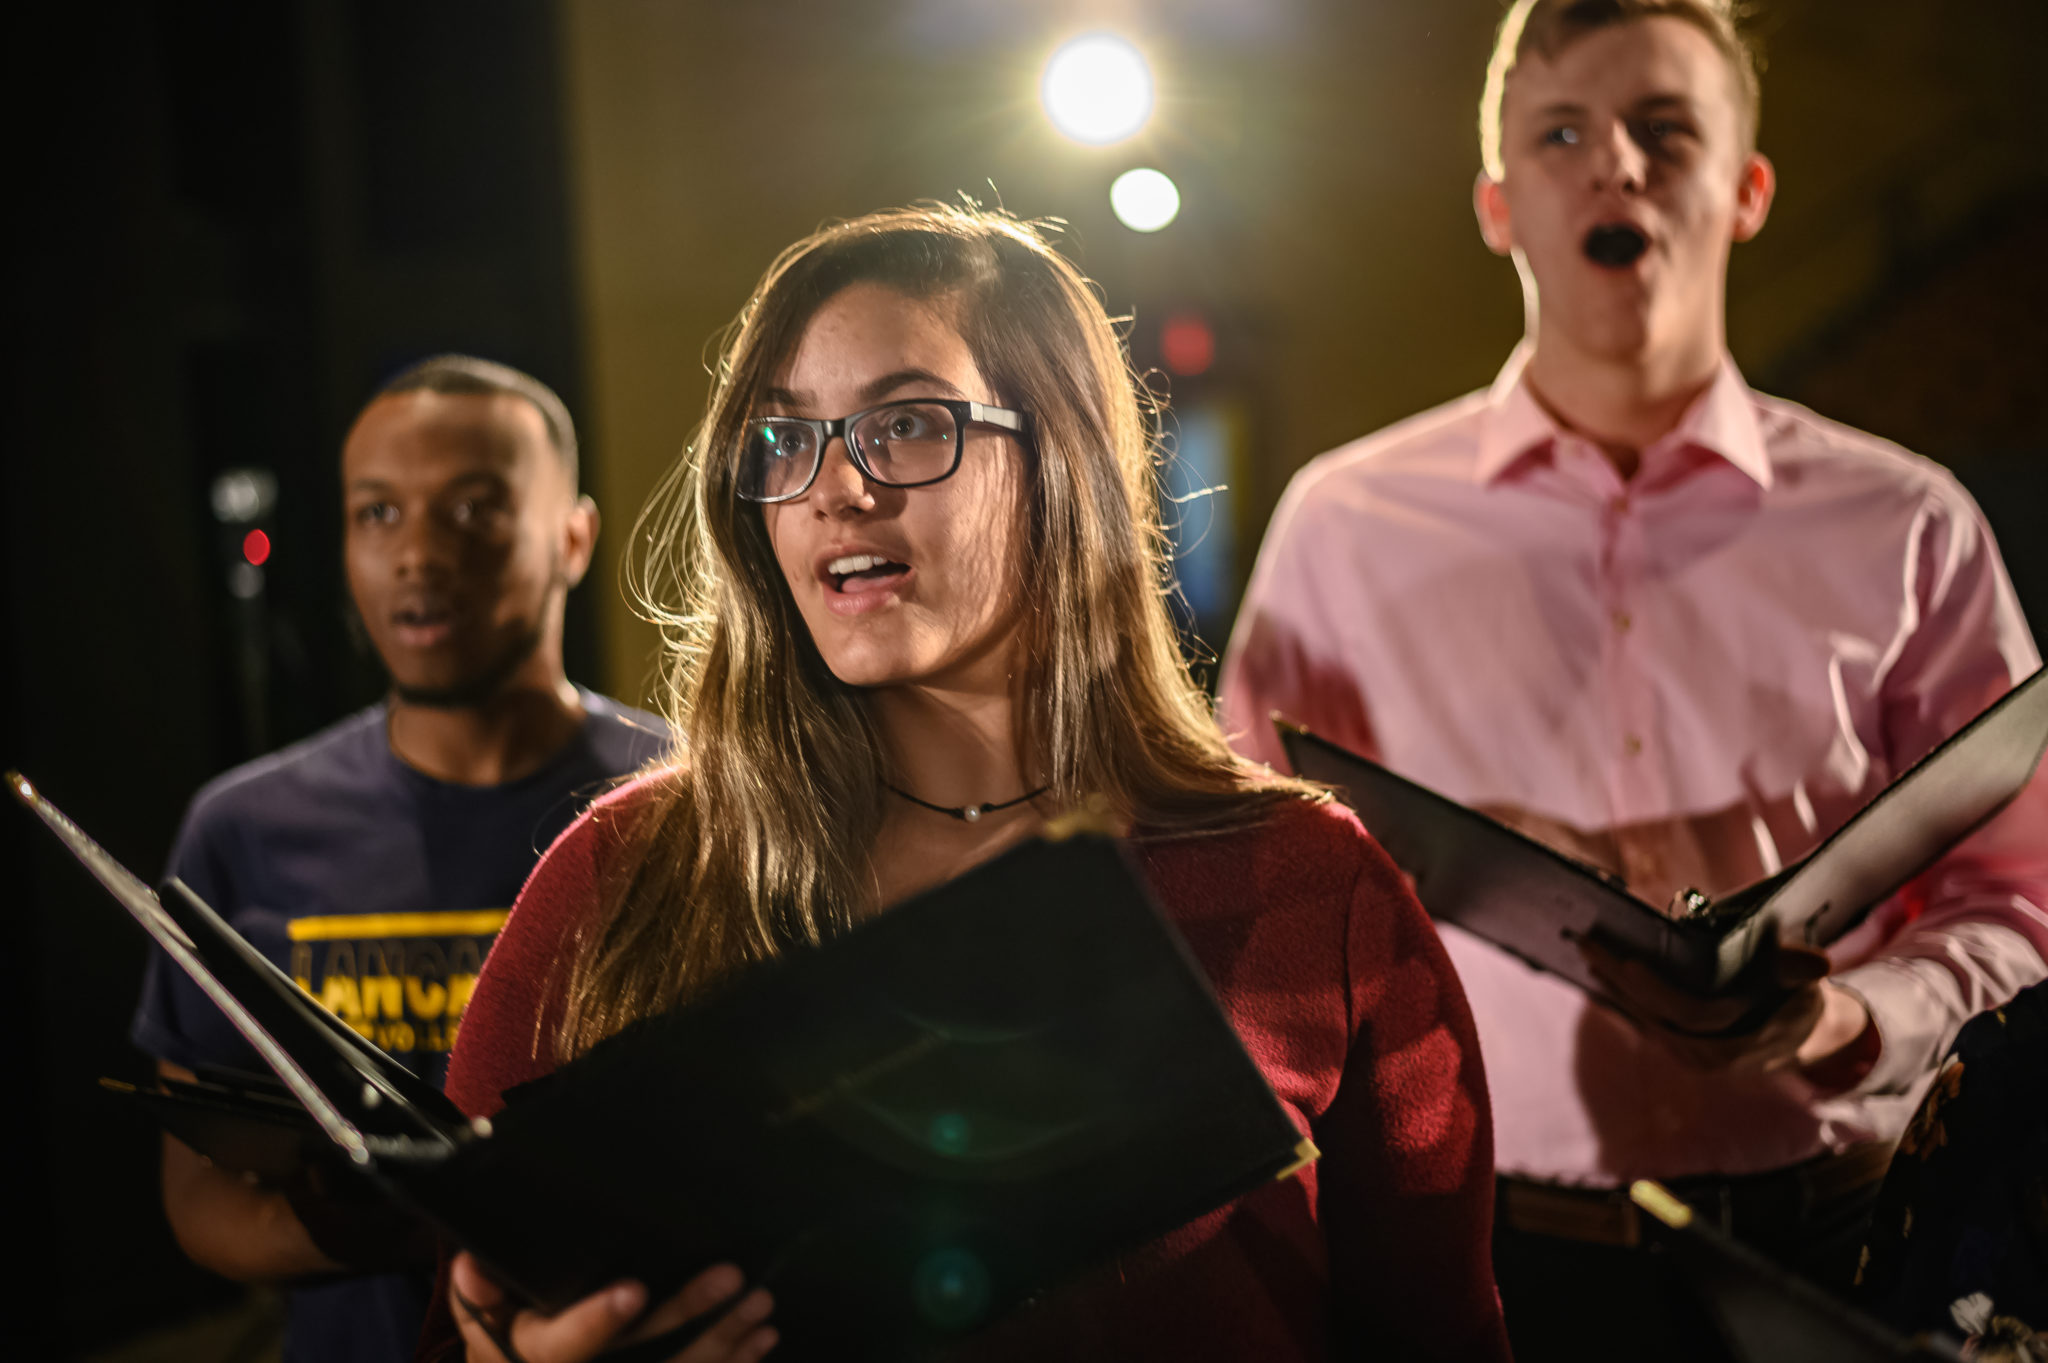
1622	622
1619	504
1632	745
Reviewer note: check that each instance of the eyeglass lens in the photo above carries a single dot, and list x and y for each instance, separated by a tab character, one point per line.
902	444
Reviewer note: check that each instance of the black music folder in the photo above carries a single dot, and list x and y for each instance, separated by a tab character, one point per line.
1765	1314
1535	902
901	1133
238	1121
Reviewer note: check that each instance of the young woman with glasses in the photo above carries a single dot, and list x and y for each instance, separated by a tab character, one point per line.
911	574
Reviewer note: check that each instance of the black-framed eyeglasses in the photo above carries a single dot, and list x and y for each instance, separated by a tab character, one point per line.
910	443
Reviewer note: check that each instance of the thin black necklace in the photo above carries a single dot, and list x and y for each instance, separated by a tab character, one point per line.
966	813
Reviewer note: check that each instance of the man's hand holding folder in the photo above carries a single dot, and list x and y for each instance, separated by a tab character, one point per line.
1815	1027
494	1330
1734	981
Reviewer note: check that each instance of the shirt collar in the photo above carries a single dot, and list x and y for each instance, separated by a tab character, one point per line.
1722	421
1514	422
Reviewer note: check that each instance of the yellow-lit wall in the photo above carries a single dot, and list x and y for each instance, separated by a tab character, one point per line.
1325	151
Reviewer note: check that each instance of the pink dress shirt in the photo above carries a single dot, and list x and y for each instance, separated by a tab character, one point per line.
1690	677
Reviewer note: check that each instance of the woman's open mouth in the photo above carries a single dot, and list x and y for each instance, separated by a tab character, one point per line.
857	574
860	582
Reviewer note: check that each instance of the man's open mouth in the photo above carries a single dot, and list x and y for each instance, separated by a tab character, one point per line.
424	625
1616	245
856	573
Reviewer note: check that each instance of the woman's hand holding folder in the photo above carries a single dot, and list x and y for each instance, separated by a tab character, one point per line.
492	1332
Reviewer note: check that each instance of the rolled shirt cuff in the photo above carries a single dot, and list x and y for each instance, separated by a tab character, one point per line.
1914	1023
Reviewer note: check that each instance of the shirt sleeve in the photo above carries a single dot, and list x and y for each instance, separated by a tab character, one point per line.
509	1029
1406	1182
1972	930
1283	654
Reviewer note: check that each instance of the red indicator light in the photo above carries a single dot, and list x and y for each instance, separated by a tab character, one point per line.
256	547
1187	344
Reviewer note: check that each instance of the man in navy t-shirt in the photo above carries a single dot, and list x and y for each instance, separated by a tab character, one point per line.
376	861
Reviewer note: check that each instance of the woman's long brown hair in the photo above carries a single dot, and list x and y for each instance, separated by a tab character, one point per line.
757	837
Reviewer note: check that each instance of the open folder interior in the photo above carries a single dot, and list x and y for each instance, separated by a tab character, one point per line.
902	1133
1523	896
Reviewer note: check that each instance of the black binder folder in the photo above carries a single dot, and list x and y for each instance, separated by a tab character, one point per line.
244	1127
1491	880
1765	1314
901	1133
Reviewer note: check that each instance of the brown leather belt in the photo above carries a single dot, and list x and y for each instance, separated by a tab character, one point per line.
1605	1216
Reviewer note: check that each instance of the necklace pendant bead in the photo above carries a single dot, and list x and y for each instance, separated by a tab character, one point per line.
967	813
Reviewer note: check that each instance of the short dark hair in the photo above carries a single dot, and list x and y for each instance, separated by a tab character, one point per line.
1547	27
470	374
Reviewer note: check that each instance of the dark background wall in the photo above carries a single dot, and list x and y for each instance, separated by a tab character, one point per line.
239	220
233	221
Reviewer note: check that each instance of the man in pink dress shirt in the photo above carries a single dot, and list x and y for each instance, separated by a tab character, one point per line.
1675	627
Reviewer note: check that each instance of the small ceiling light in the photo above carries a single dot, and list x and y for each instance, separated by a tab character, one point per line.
1097	89
243	495
1144	200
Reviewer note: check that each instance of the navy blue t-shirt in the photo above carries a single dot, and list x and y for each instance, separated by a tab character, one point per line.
379	889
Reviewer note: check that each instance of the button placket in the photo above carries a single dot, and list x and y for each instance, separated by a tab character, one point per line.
1628	735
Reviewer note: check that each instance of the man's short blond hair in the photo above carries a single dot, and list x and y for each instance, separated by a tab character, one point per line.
1548	27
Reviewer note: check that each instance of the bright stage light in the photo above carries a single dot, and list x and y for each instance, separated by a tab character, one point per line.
1097	89
1144	200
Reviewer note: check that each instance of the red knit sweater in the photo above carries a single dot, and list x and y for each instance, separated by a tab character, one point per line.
1334	978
